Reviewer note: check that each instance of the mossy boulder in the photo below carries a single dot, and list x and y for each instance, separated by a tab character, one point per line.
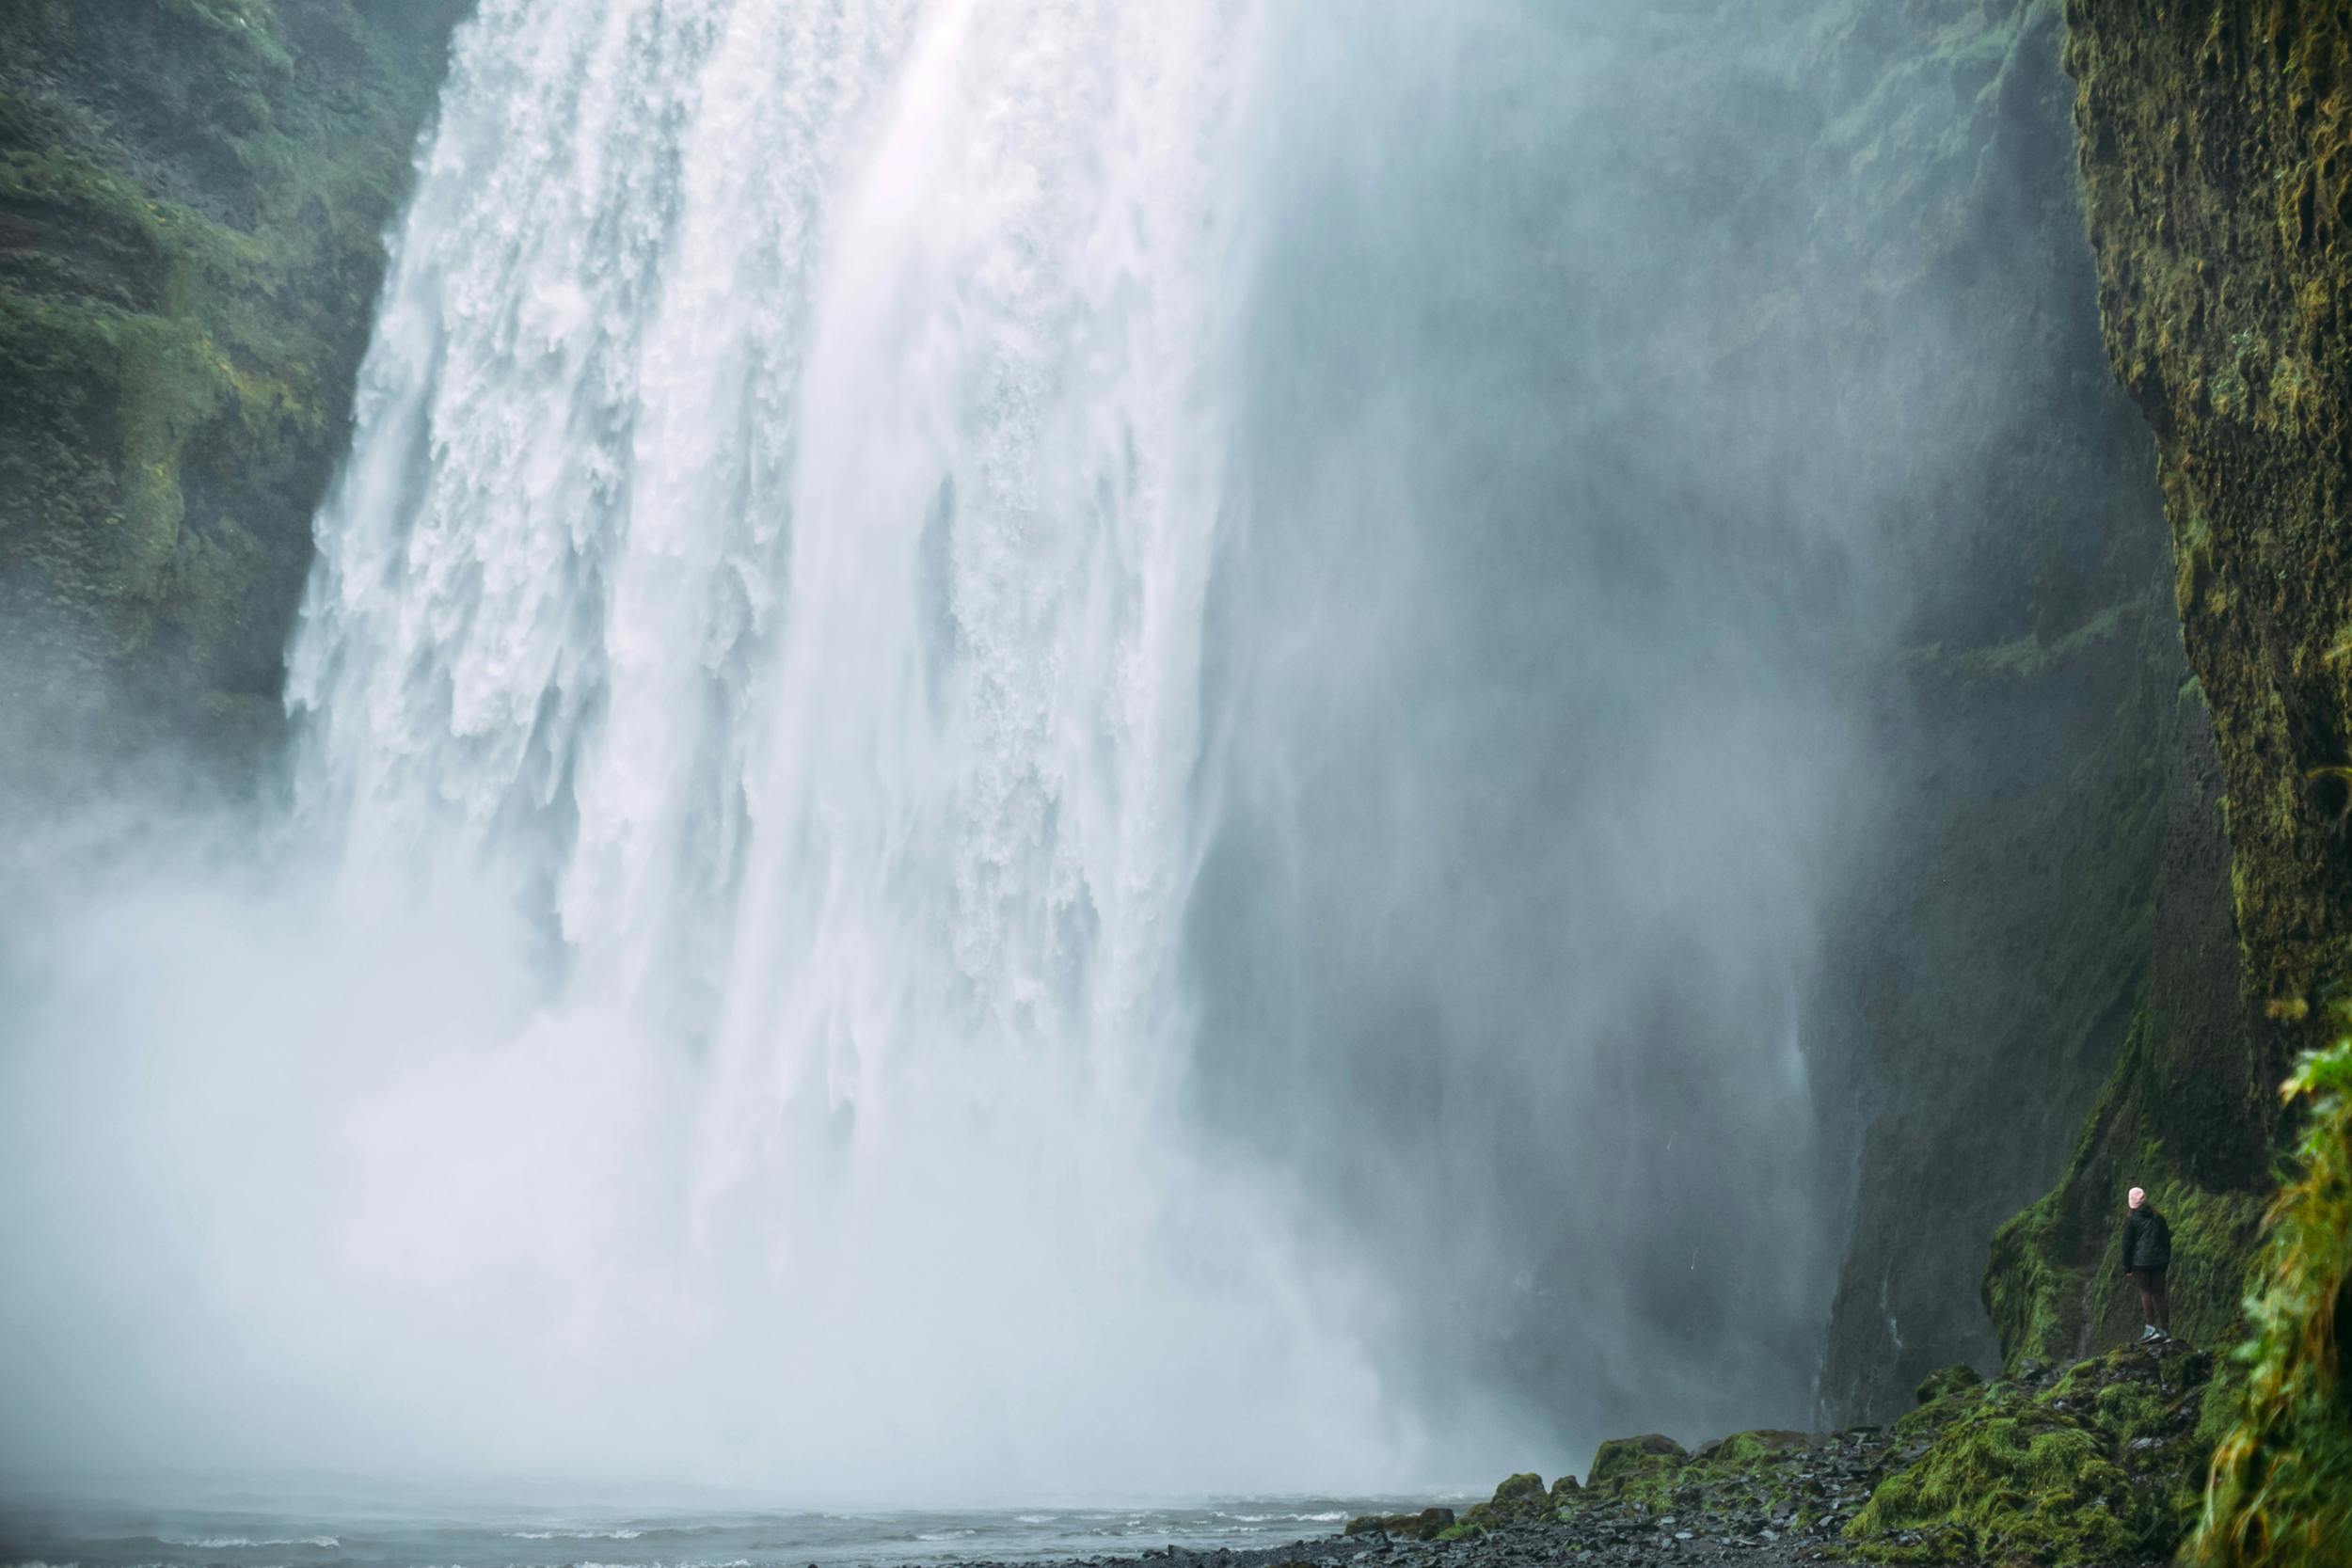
1518	1498
1428	1524
1946	1381
1624	1461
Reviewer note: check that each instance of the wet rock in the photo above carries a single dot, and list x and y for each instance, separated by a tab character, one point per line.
1623	1458
1426	1526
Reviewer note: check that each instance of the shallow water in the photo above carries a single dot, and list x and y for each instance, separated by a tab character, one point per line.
326	1533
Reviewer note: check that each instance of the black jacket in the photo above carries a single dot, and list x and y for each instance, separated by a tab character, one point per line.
2147	1239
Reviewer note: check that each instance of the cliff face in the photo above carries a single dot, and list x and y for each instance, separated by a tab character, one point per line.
2056	899
2217	186
193	195
2214	143
2214	157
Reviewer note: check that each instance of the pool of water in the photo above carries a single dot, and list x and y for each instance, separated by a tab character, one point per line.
230	1532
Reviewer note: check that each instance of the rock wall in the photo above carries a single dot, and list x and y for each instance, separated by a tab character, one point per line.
193	199
2219	186
2056	898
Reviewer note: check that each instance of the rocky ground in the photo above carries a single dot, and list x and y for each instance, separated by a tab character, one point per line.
2097	1464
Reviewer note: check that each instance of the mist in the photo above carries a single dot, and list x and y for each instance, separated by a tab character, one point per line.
1036	751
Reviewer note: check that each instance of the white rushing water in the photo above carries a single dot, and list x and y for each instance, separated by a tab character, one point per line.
772	559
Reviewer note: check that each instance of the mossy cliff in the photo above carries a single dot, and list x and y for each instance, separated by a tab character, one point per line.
2217	157
2059	899
192	200
2218	189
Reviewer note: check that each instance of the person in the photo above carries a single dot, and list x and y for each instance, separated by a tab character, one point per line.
2146	1253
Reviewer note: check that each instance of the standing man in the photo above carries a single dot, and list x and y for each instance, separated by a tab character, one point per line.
2146	1253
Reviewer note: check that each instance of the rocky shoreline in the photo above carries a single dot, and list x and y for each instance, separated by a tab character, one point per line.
2097	1464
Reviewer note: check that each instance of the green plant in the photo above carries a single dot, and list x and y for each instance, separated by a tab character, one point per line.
2281	1494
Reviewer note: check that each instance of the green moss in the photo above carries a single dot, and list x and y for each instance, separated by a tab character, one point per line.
1747	1474
1945	1396
1519	1498
196	192
2095	1466
1625	1464
2281	1487
1430	1524
2054	1284
2216	160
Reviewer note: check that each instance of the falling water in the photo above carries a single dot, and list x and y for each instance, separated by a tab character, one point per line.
773	552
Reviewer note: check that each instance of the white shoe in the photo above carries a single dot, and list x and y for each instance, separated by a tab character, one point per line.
2149	1331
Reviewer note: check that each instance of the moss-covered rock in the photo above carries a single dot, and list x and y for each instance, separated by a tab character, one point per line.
1944	1382
2098	1465
2054	1286
1622	1461
1430	1524
2216	155
2063	872
193	199
1518	1498
1745	1481
2282	1491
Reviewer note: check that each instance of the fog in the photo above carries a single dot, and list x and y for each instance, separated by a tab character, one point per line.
1040	749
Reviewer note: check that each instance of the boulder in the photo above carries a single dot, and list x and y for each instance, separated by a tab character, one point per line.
1620	1459
1425	1526
1948	1380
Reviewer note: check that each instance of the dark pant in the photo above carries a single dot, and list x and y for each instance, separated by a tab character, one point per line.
2153	1308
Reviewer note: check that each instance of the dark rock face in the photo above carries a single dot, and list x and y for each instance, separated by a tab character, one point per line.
2215	154
193	198
2214	167
2061	888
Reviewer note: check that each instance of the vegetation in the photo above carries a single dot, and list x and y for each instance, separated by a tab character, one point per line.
195	194
2099	1464
2055	1282
2281	1492
2217	161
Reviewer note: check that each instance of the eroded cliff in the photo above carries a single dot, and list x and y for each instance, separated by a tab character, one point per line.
2217	188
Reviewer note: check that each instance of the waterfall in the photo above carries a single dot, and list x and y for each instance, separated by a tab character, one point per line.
773	554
